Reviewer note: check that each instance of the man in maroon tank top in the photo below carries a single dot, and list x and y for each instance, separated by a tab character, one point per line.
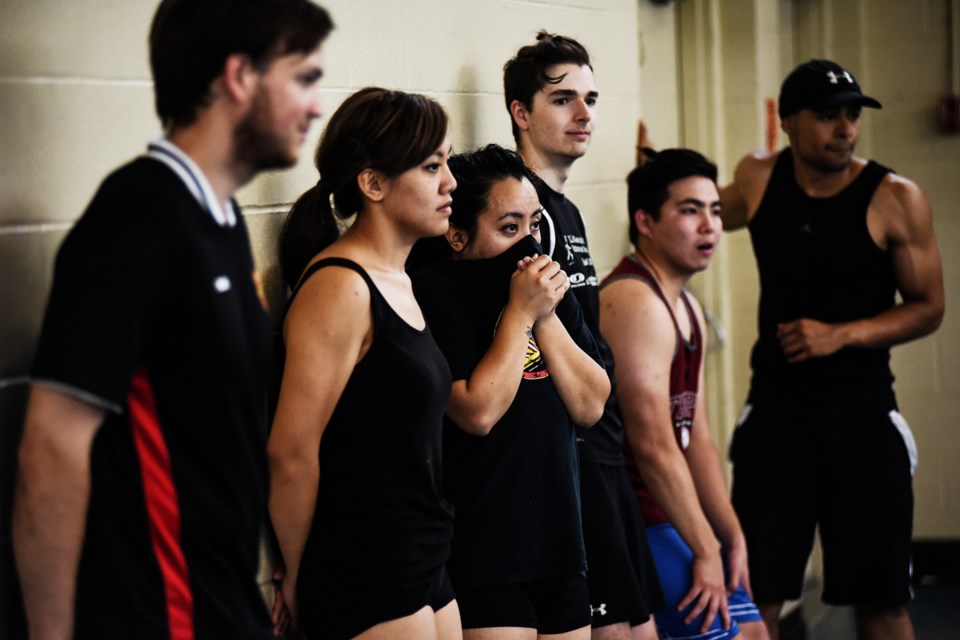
820	442
655	330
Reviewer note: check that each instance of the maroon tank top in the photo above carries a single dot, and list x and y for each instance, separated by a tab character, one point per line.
684	382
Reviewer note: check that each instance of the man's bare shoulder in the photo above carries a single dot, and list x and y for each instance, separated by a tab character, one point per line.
635	303
896	190
742	197
627	293
898	210
636	323
755	169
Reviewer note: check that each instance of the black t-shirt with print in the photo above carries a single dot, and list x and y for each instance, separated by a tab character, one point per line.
515	491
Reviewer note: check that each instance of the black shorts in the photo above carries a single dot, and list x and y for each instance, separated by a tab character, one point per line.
795	469
334	613
621	575
554	605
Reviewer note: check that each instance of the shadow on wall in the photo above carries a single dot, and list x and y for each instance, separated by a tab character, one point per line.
466	108
13	399
28	259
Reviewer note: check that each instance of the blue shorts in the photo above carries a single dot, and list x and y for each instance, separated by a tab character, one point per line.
673	559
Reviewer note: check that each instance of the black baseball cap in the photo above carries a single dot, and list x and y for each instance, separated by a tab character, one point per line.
820	85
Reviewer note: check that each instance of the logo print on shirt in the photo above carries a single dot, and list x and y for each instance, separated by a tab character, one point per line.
221	284
682	407
534	366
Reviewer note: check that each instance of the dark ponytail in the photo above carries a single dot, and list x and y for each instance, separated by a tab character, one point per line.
388	131
310	228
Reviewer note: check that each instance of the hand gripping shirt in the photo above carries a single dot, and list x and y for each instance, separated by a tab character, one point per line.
515	491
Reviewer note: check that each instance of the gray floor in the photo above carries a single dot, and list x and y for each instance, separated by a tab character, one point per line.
935	612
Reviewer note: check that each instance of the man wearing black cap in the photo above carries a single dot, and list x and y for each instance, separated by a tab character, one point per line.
820	441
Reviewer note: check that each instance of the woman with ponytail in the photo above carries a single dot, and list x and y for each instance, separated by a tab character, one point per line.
356	498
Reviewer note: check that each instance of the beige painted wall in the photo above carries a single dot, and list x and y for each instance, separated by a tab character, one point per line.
906	58
76	101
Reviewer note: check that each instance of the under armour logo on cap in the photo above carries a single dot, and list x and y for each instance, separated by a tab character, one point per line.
835	79
821	85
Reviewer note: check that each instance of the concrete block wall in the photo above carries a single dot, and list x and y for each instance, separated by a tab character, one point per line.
907	66
76	101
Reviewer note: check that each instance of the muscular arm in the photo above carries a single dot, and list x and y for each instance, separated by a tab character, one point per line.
711	486
900	215
639	330
740	199
327	331
50	510
478	403
583	384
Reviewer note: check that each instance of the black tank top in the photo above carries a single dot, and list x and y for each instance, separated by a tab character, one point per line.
381	518
817	260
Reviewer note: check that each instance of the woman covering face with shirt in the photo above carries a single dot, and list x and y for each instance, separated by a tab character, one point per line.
525	371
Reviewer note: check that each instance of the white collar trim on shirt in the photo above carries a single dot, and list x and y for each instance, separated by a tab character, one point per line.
192	177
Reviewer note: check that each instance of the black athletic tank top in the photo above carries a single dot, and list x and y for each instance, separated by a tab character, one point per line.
684	382
380	517
817	260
